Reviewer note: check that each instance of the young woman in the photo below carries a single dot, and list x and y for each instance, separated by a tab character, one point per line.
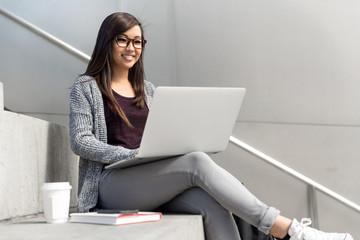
109	104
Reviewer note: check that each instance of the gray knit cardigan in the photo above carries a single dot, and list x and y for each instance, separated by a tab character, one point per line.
89	138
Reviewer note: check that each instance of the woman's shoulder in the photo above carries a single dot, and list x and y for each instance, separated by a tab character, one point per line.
149	88
85	82
85	85
85	79
149	84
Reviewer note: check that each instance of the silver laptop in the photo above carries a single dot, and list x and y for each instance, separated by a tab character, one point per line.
187	119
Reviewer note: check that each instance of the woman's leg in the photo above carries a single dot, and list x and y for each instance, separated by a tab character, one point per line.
249	232
149	186
218	222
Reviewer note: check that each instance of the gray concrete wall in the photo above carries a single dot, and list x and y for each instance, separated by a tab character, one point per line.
32	151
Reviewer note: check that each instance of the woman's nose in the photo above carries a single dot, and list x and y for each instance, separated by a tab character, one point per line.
130	46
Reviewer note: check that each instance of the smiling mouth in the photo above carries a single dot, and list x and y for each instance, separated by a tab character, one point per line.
128	57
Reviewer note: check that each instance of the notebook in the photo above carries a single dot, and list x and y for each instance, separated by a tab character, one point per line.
115	218
187	119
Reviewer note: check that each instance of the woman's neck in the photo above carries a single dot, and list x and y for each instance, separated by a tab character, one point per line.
120	75
120	83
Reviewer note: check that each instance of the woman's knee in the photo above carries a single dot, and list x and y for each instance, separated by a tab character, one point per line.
199	160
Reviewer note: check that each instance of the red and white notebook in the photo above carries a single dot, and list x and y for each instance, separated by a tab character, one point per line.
116	218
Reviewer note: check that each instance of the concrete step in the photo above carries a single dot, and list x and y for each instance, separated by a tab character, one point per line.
171	227
32	152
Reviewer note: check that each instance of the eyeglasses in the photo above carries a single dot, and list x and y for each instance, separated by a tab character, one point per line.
123	41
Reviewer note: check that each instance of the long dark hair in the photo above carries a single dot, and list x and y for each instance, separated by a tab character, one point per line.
100	65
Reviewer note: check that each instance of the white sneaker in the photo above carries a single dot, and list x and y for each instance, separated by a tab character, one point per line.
302	231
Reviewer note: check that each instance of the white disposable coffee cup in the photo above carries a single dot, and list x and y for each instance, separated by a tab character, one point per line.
56	201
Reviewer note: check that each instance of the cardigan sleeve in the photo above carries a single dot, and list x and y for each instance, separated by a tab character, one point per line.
82	130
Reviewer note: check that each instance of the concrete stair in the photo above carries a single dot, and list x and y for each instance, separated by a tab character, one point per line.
33	151
171	227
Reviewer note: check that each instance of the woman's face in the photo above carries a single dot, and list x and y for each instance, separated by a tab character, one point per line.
123	56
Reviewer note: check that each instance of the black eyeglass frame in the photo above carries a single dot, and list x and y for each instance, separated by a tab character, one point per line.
143	42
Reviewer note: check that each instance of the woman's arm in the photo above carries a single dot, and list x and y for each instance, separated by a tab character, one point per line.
83	140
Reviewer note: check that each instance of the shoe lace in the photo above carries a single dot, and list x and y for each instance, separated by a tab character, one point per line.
301	228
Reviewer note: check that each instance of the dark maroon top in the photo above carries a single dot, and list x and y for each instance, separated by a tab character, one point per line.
118	132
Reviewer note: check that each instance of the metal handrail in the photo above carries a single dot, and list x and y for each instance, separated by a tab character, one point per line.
295	174
233	140
45	35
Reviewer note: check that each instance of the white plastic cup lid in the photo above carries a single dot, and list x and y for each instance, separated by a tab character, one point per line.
56	186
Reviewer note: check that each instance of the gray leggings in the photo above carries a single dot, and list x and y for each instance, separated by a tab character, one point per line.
191	183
